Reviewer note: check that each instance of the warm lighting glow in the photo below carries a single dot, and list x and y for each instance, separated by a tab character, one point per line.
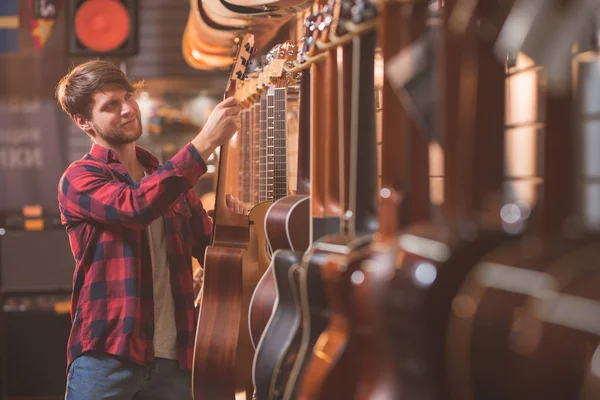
436	173
423	247
425	274
385	193
522	98
522	151
595	367
378	69
464	306
357	277
241	396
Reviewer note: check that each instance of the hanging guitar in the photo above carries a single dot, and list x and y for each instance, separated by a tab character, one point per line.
223	353
435	257
286	221
279	343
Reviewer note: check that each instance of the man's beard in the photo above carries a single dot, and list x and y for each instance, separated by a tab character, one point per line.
116	137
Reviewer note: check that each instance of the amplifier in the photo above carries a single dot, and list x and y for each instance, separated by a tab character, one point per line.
35	261
34	330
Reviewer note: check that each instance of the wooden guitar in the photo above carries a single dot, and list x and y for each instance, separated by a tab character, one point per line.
352	354
493	346
278	334
222	353
435	257
263	297
281	338
331	365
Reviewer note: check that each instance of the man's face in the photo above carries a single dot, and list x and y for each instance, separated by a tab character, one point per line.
115	117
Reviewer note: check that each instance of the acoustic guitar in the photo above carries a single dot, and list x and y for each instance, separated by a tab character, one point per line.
281	338
280	335
435	257
222	351
498	331
326	288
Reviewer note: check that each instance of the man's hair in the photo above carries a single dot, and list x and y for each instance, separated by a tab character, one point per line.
75	91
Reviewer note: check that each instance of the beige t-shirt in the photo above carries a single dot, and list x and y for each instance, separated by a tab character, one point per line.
165	331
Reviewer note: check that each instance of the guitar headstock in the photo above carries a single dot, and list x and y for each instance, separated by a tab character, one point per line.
329	19
311	33
240	63
345	15
285	56
362	11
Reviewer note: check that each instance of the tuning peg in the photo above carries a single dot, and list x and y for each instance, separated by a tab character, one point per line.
249	48
244	61
240	75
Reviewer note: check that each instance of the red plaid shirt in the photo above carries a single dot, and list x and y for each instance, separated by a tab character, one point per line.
105	214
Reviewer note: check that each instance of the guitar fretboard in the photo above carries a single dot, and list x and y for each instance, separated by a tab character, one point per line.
262	183
279	143
270	142
256	151
244	173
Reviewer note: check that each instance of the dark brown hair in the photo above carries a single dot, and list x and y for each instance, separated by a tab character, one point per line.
75	91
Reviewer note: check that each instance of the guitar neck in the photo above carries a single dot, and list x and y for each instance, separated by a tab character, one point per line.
244	165
256	151
408	172
280	183
363	146
345	121
304	138
270	143
473	118
332	133
263	149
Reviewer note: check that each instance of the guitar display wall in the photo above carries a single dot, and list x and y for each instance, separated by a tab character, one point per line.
487	212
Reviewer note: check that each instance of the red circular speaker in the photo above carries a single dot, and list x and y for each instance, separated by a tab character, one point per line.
102	25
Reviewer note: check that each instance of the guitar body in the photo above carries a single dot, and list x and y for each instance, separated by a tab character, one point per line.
261	303
287	224
220	329
479	342
315	304
433	262
279	12
281	333
277	9
223	352
566	340
283	223
283	226
332	367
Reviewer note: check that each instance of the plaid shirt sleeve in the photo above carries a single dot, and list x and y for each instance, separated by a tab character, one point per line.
88	192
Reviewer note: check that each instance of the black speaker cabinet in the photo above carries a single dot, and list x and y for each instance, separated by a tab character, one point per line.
35	261
33	346
103	27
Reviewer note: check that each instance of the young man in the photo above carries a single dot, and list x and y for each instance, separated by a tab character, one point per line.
133	227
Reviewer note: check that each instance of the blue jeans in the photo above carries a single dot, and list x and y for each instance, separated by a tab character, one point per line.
95	376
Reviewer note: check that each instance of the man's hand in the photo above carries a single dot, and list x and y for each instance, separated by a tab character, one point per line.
223	122
235	205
